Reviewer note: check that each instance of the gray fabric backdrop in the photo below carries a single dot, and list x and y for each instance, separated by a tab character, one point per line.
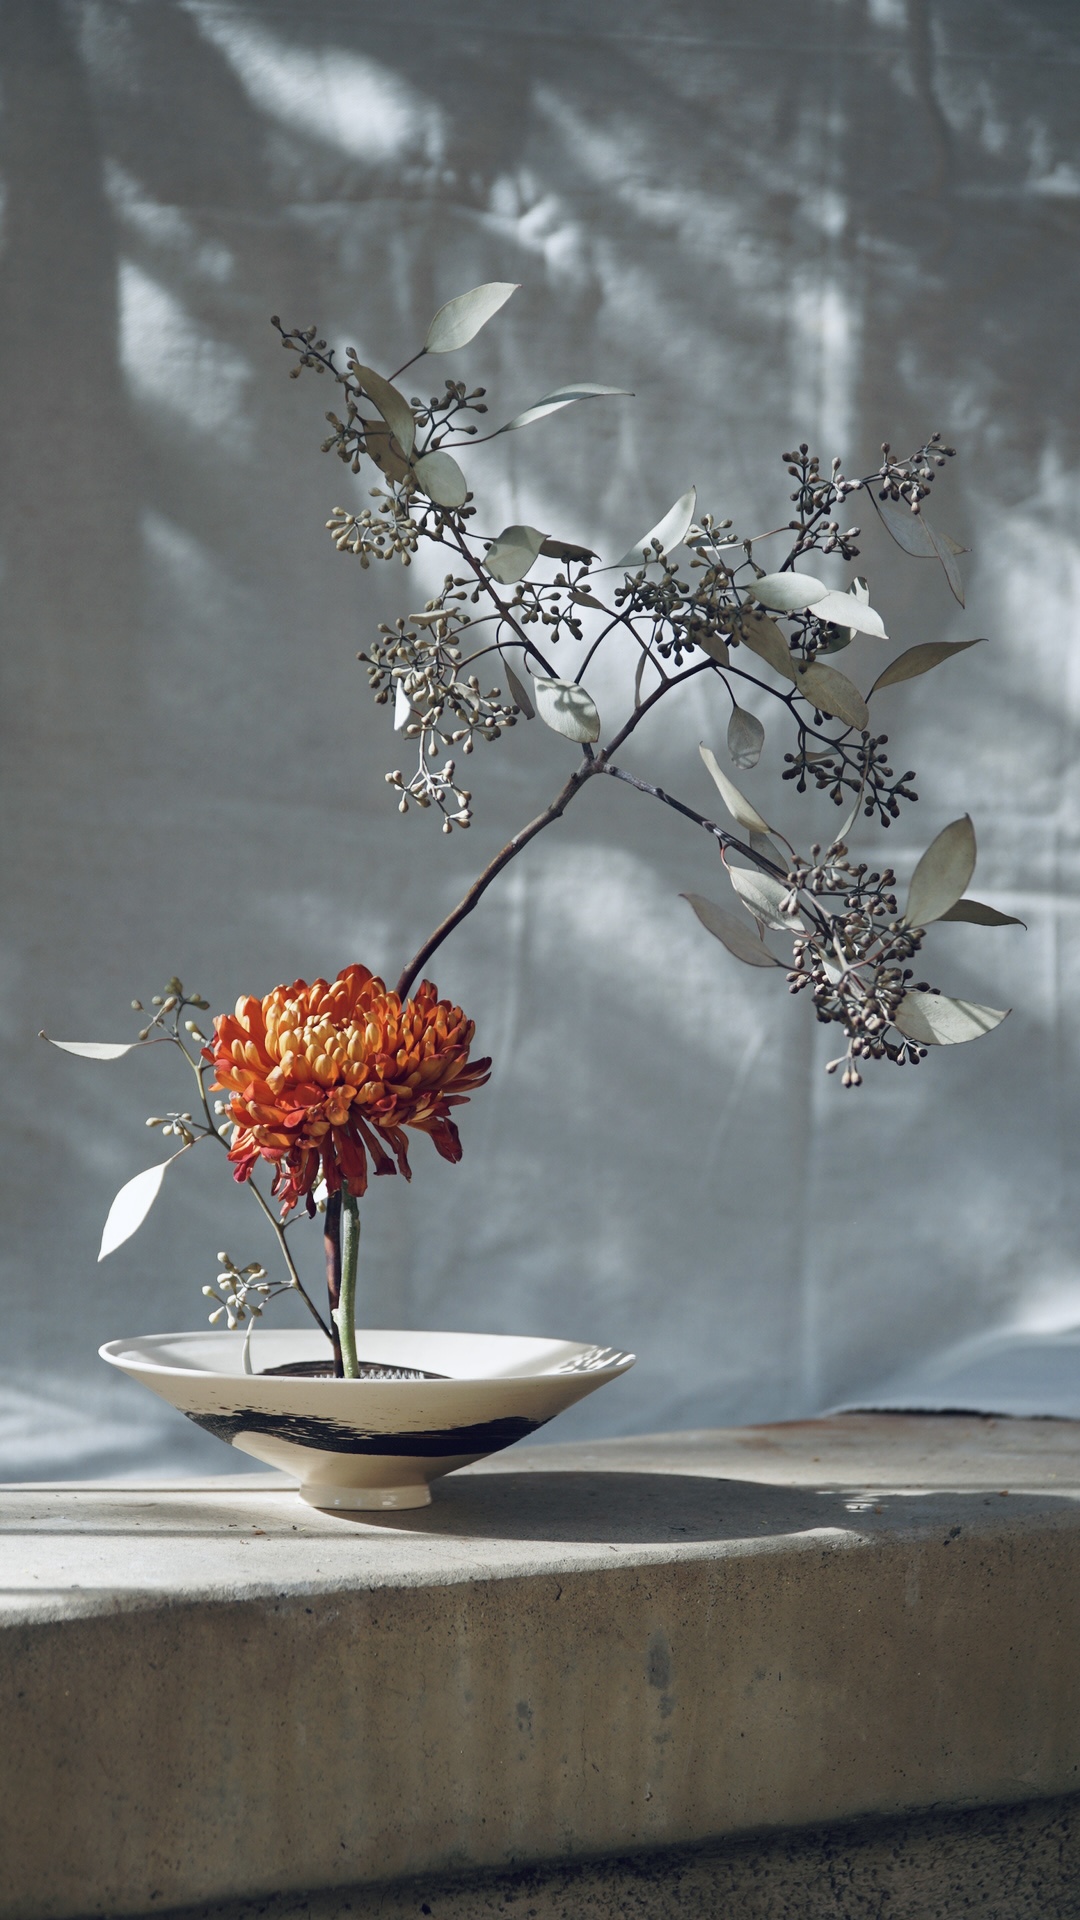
838	220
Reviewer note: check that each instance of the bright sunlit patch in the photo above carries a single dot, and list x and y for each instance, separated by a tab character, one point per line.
332	95
165	226
171	363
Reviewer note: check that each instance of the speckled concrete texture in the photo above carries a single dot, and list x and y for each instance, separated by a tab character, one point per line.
1001	1863
211	1692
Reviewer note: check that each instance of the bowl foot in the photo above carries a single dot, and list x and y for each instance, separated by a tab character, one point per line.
365	1499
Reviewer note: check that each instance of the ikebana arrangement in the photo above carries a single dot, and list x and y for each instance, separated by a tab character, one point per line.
321	1083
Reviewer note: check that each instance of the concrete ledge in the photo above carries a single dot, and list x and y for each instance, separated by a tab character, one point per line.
210	1693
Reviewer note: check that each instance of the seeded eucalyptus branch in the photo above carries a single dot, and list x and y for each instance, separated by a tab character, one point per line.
522	614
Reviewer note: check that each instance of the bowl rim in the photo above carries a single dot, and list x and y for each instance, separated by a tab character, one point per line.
115	1352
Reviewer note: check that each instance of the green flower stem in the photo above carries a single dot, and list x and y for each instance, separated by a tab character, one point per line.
345	1311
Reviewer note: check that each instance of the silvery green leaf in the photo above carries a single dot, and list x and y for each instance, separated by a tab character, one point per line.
734	934
382	447
671	531
561	397
513	553
461	319
735	802
920	659
933	1020
745	737
764	638
403	707
832	692
393	406
762	894
789	592
761	843
97	1049
567	709
131	1206
980	915
441	478
518	694
846	611
939	880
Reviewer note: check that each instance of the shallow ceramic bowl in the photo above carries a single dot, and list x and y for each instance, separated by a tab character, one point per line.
374	1442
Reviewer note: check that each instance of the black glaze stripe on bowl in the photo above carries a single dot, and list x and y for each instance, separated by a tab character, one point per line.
324	1370
331	1436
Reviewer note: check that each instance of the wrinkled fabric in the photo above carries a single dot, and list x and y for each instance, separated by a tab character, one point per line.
772	221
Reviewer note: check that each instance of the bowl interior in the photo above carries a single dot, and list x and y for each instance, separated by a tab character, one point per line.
456	1356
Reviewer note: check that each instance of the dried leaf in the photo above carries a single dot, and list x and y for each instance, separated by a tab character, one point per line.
513	553
461	319
393	406
567	709
980	915
939	880
918	660
441	479
131	1206
764	638
566	550
832	692
734	934
933	1020
97	1049
518	694
745	738
671	531
789	592
715	645
586	600
856	616
382	447
762	894
735	802
561	397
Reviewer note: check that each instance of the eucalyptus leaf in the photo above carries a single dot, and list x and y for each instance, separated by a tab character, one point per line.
581	599
518	694
907	666
461	319
735	802
441	479
382	447
789	592
946	551
131	1206
566	550
561	397
933	1020
832	692
403	707
734	934
764	638
97	1049
745	738
761	843
844	610
762	894
567	709
942	874
671	531
980	915
513	553
393	406
715	645
914	533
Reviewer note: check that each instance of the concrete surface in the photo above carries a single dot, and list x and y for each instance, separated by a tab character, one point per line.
211	1693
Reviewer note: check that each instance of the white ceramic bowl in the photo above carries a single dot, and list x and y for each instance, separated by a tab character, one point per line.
375	1442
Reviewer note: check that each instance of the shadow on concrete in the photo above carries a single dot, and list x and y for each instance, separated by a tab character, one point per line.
667	1509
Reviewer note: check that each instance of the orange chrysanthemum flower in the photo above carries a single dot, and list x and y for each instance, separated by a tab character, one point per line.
322	1076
